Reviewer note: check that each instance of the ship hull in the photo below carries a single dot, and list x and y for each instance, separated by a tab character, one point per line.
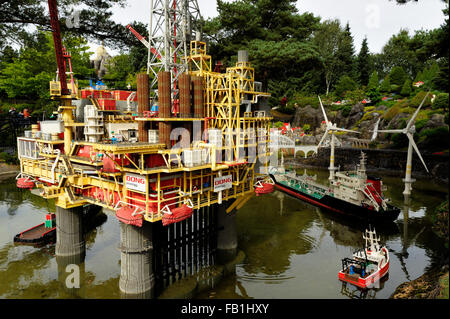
338	206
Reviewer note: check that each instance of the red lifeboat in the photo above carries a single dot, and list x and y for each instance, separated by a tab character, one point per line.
125	215
25	182
178	214
263	188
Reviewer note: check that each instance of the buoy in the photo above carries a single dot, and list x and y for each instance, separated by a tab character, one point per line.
25	182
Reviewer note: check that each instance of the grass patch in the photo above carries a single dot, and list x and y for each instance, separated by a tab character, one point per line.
443	281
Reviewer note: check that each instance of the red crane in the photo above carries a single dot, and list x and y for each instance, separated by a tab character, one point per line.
144	41
54	22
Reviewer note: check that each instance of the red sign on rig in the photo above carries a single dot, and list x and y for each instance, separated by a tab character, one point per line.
136	182
222	183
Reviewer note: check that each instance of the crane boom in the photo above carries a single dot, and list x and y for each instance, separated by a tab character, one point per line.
144	41
54	22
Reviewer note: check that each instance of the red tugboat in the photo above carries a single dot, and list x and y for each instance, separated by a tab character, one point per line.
368	265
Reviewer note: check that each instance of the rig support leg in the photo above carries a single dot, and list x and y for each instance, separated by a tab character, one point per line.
226	234
69	233
136	270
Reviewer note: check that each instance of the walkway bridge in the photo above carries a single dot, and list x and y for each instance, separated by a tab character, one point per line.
278	141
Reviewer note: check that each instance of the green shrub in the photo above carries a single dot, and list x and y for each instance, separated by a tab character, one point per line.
303	101
441	101
417	99
8	158
394	110
278	124
434	132
355	96
344	84
420	124
374	95
399	140
345	108
306	128
434	137
288	109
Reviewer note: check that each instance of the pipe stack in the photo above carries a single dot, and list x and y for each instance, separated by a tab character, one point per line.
185	95
143	104
197	83
164	101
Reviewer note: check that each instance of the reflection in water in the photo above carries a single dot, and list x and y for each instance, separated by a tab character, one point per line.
354	292
293	250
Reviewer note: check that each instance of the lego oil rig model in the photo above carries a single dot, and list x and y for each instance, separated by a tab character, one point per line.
202	139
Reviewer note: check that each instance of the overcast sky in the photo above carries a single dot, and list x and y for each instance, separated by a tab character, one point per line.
376	19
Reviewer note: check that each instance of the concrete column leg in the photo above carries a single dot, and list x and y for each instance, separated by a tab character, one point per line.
71	275
136	271
69	233
226	234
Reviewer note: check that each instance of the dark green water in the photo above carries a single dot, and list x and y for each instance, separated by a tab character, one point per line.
293	249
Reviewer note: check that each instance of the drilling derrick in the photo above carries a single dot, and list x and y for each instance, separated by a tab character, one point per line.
171	28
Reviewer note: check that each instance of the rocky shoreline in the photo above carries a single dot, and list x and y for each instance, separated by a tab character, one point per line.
8	171
431	285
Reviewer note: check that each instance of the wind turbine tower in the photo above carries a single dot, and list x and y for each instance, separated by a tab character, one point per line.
331	127
409	131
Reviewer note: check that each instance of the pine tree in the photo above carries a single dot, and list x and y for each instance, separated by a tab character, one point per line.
346	53
385	86
373	81
406	89
363	63
373	92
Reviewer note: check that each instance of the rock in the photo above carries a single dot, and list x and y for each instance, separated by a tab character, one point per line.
308	140
397	120
381	108
357	108
307	115
436	120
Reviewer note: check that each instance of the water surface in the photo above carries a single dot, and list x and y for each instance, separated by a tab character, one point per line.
293	250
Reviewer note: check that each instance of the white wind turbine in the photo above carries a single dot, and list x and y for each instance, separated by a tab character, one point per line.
333	128
409	130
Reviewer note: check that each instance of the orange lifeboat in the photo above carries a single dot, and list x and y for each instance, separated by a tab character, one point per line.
263	188
125	215
25	182
178	214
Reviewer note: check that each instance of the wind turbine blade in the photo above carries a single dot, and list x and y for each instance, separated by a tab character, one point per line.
390	131
323	138
375	130
345	130
411	140
323	110
411	121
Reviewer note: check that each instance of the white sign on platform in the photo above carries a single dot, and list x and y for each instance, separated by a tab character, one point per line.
222	183
136	182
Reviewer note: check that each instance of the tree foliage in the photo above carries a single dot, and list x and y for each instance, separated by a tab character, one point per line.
27	75
94	20
363	64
